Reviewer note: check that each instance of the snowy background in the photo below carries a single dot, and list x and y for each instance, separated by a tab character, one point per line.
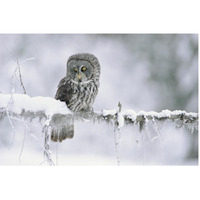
143	72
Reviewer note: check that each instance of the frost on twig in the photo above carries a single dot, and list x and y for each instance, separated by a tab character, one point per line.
125	117
18	69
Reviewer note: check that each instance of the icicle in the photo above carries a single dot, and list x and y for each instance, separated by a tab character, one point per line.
117	134
47	132
117	137
157	130
191	127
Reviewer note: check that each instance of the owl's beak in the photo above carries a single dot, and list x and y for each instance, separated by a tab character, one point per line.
79	76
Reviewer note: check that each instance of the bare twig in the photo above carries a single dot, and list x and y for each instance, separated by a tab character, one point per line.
20	75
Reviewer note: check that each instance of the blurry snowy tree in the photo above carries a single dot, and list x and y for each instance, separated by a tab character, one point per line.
160	74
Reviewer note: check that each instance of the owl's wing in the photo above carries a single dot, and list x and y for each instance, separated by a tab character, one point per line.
63	125
64	92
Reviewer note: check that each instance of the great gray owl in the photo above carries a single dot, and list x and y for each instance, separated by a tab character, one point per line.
78	89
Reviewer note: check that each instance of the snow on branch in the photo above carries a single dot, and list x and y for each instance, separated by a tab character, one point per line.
22	105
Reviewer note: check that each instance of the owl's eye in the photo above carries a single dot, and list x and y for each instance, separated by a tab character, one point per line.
75	69
83	69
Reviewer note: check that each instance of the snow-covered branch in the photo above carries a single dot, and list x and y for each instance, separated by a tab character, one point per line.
21	105
55	114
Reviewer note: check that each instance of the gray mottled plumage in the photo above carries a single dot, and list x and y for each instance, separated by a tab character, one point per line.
78	89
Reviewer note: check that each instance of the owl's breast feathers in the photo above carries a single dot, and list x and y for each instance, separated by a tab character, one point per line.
77	96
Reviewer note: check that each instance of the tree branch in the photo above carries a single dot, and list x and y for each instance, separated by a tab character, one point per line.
23	107
46	107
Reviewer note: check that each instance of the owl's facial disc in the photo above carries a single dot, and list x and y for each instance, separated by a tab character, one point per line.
81	75
80	71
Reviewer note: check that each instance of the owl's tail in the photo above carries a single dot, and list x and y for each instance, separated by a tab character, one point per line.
62	127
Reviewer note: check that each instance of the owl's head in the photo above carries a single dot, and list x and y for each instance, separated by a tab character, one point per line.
83	67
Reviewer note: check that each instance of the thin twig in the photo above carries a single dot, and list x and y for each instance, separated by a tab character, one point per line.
25	131
20	75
